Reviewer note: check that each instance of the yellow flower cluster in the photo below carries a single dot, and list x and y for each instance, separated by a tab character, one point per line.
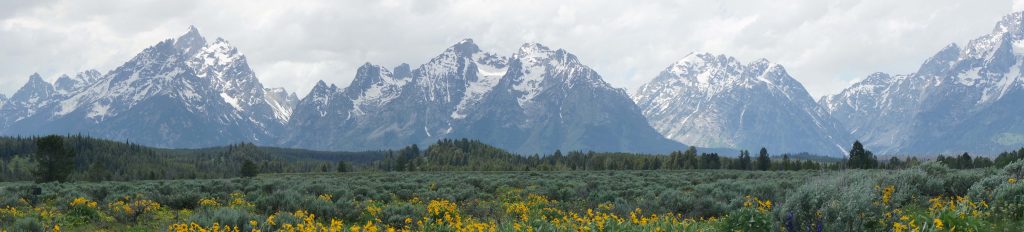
959	205
130	210
325	197
536	212
886	193
81	201
761	205
373	208
209	202
939	208
238	200
134	207
8	211
309	224
905	223
193	227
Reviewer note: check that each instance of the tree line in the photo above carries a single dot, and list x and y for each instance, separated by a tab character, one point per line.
70	158
82	158
473	155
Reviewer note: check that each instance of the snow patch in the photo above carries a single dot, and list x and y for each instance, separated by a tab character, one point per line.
230	100
98	111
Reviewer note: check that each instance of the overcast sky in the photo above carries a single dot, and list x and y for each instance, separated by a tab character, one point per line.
292	44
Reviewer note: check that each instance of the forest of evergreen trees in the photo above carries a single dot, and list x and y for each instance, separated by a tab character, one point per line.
88	159
101	160
472	155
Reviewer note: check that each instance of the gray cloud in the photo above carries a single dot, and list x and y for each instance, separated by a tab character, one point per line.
824	44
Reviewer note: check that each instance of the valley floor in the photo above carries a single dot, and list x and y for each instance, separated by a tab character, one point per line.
929	197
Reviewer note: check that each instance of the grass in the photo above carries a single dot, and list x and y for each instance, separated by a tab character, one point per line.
697	200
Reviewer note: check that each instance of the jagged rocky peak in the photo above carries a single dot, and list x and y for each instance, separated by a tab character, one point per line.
218	53
722	72
538	63
403	71
529	50
373	82
281	101
466	47
322	88
369	74
281	93
64	83
952	103
67	84
191	42
34	88
450	62
877	78
704	60
1012	23
536	53
714	100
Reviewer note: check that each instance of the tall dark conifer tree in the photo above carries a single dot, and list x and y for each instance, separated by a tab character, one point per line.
55	161
763	161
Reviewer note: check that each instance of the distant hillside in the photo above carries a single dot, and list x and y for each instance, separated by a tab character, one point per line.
98	159
473	155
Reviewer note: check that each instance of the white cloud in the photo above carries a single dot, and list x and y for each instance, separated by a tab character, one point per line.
824	44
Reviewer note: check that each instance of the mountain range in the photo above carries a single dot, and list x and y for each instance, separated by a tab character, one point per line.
189	92
535	101
962	99
183	92
715	101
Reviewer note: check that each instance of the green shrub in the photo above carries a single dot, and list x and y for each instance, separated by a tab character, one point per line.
224	216
748	219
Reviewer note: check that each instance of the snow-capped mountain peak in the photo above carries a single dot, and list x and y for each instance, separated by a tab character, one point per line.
374	86
36	94
178	86
220	53
538	67
715	101
466	92
66	84
35	90
532	51
466	47
282	102
960	99
191	42
1012	23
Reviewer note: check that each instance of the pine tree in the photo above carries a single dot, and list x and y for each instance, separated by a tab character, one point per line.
861	158
785	162
690	158
344	166
55	161
894	163
763	161
743	162
675	160
249	169
965	161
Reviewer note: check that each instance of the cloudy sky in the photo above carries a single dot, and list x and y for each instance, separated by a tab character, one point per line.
292	44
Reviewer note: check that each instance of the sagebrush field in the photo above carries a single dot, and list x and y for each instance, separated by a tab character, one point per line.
929	197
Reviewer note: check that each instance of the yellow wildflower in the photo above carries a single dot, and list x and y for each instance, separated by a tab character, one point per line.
898	227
